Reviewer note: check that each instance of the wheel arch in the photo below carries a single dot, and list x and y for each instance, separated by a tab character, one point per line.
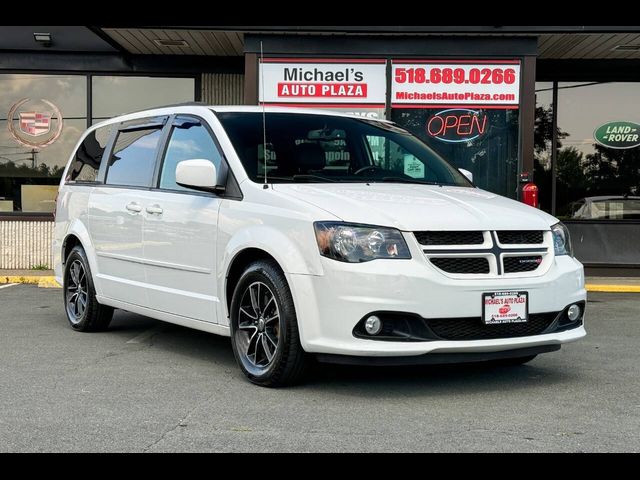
238	264
78	235
262	242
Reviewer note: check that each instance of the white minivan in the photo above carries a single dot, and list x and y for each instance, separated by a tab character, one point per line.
306	234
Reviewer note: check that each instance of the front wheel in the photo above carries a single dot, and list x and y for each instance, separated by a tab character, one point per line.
264	327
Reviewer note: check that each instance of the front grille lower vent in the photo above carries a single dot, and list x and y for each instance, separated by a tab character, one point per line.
450	238
519	237
474	329
522	264
468	265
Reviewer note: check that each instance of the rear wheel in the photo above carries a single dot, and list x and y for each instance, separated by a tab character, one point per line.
264	327
84	312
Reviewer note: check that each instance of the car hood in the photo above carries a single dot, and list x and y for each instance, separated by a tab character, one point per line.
420	207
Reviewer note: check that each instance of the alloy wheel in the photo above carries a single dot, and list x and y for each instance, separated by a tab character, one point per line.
258	333
77	294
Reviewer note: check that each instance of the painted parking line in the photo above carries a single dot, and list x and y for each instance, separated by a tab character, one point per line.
147	334
8	285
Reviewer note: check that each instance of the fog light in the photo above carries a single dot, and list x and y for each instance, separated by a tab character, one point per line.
373	325
573	312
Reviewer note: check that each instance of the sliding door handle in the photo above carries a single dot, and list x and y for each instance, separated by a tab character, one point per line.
154	209
134	207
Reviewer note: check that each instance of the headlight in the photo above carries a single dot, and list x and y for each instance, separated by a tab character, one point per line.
561	240
356	243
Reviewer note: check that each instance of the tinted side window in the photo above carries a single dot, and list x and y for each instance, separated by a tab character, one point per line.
188	141
86	162
133	158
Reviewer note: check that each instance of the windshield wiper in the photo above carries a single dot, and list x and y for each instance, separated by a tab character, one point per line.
313	177
302	177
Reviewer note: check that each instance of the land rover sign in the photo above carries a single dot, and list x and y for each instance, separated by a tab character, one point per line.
619	135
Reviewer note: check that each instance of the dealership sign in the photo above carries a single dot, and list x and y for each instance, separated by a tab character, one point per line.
323	82
486	84
620	135
456	125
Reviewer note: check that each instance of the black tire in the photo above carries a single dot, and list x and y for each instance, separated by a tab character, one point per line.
257	327
515	361
87	315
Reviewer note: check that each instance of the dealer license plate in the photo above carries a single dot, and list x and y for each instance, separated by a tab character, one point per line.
505	307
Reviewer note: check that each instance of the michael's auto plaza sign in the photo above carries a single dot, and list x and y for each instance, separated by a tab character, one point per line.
353	85
360	85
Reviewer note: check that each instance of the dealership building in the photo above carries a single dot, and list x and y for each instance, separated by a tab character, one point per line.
552	105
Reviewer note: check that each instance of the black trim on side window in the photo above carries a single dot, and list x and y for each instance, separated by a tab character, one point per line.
106	155
163	144
167	122
155	121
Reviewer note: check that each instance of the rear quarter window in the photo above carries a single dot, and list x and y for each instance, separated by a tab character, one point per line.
86	161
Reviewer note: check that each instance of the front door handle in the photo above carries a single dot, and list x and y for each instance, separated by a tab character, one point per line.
154	209
134	207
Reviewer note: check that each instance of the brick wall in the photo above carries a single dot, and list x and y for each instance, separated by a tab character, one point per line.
25	244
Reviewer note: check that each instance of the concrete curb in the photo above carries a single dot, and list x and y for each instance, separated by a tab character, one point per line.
39	280
613	288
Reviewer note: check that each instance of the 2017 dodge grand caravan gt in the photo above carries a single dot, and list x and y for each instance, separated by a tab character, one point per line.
303	233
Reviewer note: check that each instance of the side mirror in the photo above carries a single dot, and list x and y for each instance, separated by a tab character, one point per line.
198	174
467	174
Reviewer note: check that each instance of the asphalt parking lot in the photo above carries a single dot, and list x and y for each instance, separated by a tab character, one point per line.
149	386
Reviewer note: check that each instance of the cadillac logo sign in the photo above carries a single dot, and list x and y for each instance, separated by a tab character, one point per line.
33	123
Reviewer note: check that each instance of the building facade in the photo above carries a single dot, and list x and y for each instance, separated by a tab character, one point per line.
554	104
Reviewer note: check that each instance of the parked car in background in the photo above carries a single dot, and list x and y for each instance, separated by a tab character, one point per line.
303	233
613	207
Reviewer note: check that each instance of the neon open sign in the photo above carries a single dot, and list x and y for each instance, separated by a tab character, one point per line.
457	125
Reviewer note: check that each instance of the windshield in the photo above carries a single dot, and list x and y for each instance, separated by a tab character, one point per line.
320	148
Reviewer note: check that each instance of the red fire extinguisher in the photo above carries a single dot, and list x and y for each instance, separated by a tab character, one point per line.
530	194
529	191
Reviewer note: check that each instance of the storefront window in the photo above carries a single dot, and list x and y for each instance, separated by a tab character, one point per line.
43	116
41	119
116	95
483	141
598	160
543	139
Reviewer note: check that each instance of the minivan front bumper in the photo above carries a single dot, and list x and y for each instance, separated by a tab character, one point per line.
329	306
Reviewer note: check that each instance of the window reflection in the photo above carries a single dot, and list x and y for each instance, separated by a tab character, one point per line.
189	141
116	95
542	140
38	169
133	158
483	141
596	181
